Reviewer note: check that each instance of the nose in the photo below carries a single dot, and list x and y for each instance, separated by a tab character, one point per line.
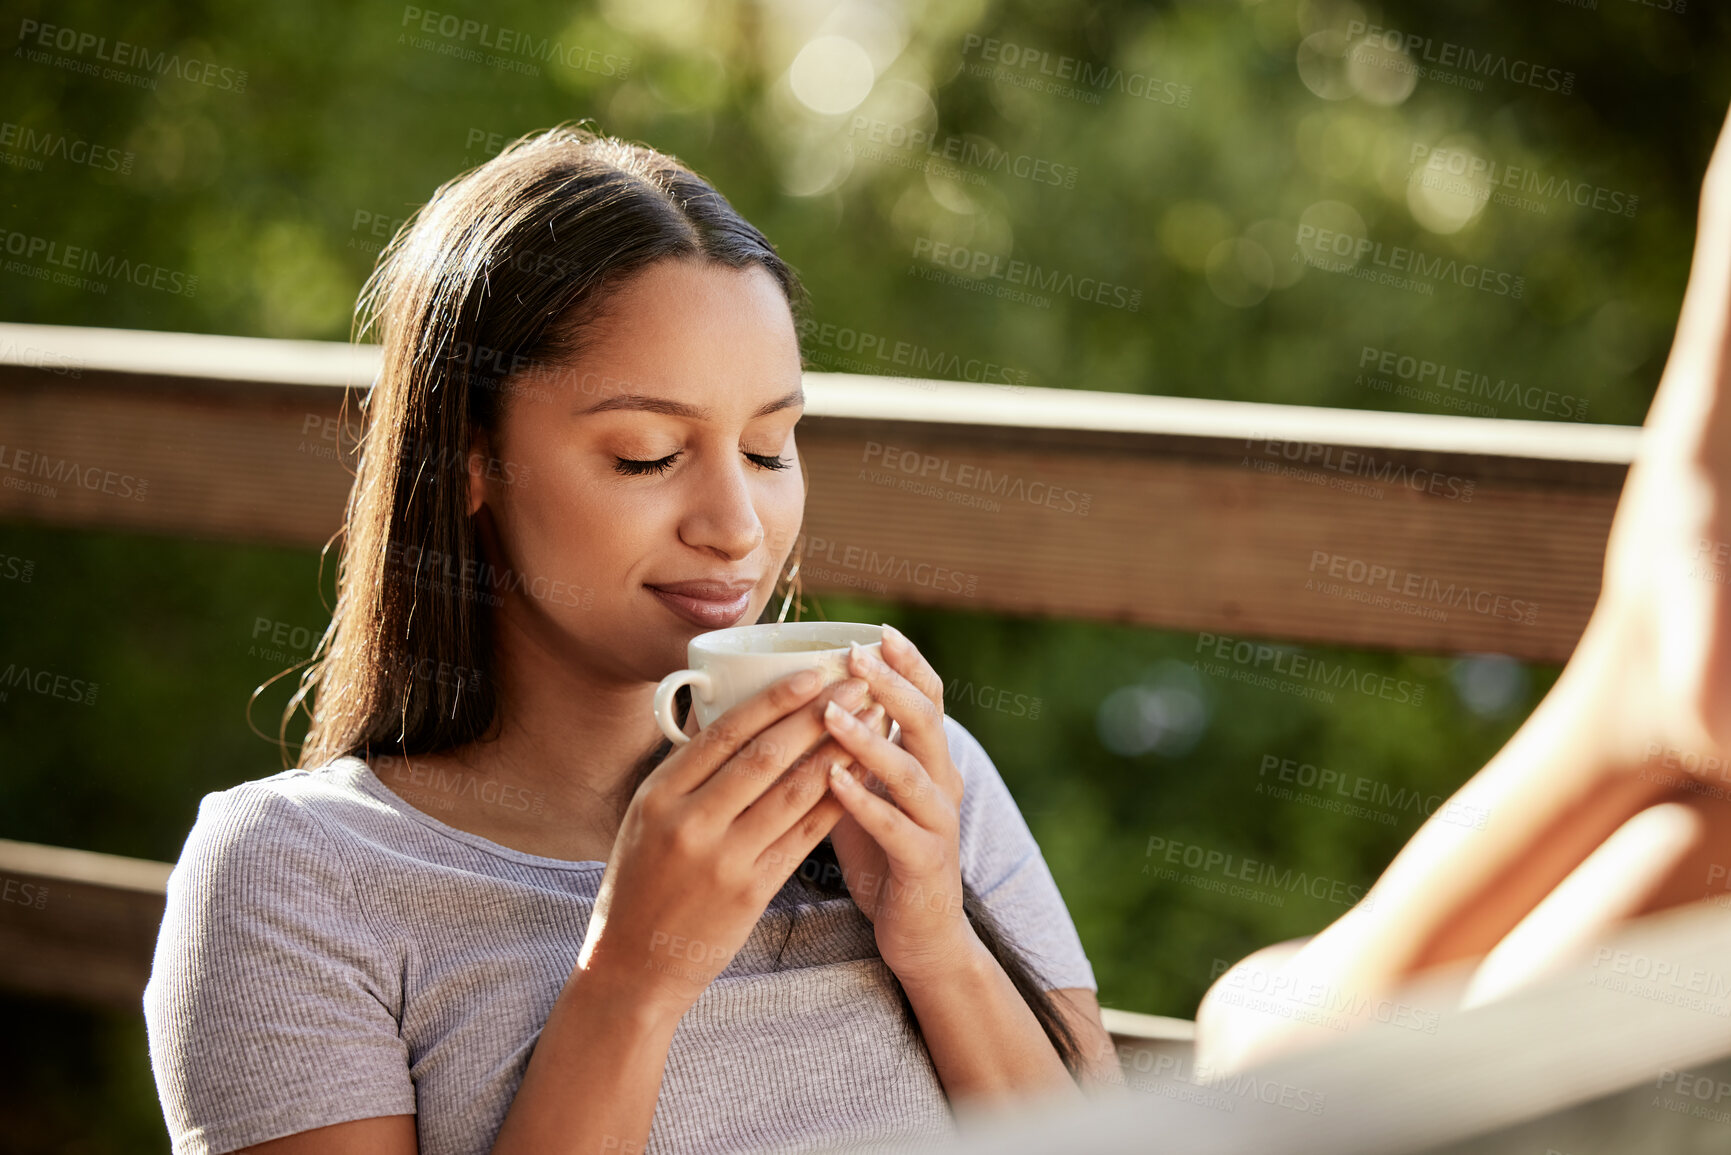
720	515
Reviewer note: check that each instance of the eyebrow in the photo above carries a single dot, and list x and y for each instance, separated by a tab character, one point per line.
672	408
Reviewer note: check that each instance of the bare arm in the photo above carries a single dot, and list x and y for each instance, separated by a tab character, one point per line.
900	856
557	1062
595	1074
380	1135
594	1077
1081	1009
1641	709
984	1040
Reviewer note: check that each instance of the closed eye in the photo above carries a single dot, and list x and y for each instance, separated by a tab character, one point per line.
637	468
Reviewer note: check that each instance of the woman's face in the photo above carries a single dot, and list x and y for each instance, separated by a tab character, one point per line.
664	455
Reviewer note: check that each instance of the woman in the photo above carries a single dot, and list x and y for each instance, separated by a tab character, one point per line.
1612	800
495	910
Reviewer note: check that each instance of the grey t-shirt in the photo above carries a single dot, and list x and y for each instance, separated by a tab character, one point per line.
330	952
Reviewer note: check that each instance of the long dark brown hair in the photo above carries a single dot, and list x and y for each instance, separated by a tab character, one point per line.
501	270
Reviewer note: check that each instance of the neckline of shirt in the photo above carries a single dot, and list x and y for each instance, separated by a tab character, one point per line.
371	783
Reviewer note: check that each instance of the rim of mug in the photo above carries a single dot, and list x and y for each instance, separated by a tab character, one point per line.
864	633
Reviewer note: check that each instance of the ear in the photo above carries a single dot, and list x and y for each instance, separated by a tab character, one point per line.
480	452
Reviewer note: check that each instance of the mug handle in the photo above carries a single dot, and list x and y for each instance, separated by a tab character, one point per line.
664	700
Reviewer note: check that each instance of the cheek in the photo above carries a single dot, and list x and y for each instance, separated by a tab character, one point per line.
783	513
555	523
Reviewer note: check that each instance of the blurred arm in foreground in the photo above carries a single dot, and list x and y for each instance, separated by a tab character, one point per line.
1613	800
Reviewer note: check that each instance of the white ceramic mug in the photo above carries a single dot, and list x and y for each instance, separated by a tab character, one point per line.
728	666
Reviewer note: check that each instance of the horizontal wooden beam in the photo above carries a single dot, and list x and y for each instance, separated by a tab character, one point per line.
78	925
1305	524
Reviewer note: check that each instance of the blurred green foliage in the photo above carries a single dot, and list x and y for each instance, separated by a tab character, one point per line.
277	189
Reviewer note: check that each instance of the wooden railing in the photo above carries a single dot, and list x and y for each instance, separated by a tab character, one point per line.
1161	511
1227	518
76	924
79	925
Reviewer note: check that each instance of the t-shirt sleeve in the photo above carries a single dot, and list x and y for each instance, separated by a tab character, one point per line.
1002	863
272	1005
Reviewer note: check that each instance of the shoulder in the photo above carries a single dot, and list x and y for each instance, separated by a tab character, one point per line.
261	883
994	837
1002	863
263	813
984	795
265	839
969	756
268	975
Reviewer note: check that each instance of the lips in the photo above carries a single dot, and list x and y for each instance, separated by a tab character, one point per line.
711	604
707	589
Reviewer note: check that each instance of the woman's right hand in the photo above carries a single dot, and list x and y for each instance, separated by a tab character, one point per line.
710	836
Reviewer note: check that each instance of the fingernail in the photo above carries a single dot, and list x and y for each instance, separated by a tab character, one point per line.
835	713
893	637
837	775
806	681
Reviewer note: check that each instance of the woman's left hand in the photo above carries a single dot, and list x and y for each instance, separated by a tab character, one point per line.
901	855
